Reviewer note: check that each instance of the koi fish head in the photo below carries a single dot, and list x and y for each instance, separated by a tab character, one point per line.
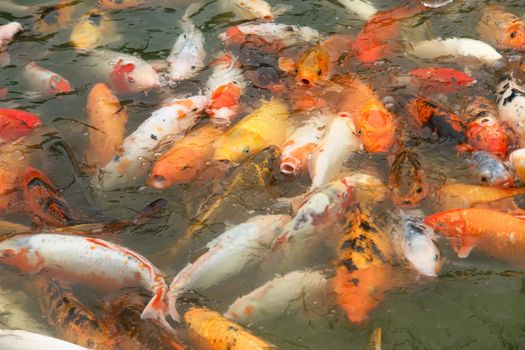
59	85
375	128
128	77
256	8
487	134
451	223
181	169
312	66
514	36
239	145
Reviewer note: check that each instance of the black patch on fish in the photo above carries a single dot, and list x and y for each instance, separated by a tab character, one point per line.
71	316
377	252
519	200
153	137
355	282
95	19
349	264
50	16
347	244
441	124
365	226
514	93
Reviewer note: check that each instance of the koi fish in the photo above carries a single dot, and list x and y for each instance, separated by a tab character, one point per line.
18	340
490	170
312	66
517	163
451	196
254	9
225	87
301	144
271	32
73	321
407	181
107	120
445	124
456	48
135	333
264	127
418	246
374	41
54	18
484	130
13	161
186	158
440	79
237	249
283	294
210	330
364	272
363	9
15	124
514	205
339	142
368	188
42	200
124	73
45	81
90	261
187	56
503	29
375	125
498	234
94	29
169	121
8	32
511	102
327	207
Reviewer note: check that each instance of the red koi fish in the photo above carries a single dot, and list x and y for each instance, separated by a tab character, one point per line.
440	79
15	124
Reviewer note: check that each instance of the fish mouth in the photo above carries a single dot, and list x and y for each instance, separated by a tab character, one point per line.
289	166
158	181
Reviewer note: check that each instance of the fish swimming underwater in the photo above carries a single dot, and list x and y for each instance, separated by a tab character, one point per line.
503	29
45	81
94	29
15	124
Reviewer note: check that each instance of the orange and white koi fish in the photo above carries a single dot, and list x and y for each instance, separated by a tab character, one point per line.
339	142
490	170
211	331
15	124
498	234
282	295
94	29
368	188
440	79
301	145
375	125
187	56
45	81
54	18
107	120
456	48
18	339
225	87
124	73
452	196
270	33
186	158
503	29
363	9
169	121
236	249
90	261
364	271
511	105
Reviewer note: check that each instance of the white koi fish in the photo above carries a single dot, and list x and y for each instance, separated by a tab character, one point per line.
271	32
187	56
22	340
236	249
282	295
418	246
122	72
457	48
225	87
254	9
301	145
339	142
169	121
511	105
45	81
7	33
89	261
363	9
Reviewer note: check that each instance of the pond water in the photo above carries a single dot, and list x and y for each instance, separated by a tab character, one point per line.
474	303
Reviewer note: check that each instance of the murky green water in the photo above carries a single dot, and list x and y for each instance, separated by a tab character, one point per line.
474	304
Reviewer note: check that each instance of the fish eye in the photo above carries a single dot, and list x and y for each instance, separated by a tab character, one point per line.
193	67
513	34
131	80
319	71
419	190
360	132
483	179
440	224
436	257
246	150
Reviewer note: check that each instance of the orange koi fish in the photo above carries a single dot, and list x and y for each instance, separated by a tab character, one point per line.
72	320
407	179
440	79
54	18
377	38
514	205
311	67
211	331
13	160
364	271
503	29
45	81
452	196
15	124
43	201
375	125
444	124
183	162
498	234
107	119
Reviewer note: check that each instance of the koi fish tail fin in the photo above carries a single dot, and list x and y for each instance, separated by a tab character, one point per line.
172	306
156	310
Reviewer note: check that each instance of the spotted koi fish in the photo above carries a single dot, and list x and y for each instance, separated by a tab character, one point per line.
45	81
511	105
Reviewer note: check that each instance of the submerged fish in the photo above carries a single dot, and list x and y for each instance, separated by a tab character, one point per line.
210	330
458	195
8	32
418	246
264	127
94	29
54	18
91	261
407	179
503	29
498	234
363	9
107	120
456	48
16	123
440	79
73	321
45	81
22	340
490	170
282	295
253	9
511	105
235	250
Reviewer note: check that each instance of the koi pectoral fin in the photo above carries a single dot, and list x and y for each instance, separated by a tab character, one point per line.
464	247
